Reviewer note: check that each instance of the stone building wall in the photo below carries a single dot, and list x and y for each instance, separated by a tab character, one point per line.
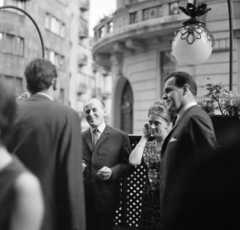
143	39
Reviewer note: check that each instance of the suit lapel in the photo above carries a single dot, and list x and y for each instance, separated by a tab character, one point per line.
103	137
88	138
165	143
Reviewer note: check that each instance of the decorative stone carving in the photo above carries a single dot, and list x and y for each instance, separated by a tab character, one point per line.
117	64
153	12
121	47
103	59
136	44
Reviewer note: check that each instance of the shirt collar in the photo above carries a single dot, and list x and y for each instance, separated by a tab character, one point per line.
100	128
185	108
44	94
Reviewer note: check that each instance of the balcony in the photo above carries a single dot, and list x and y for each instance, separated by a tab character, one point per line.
135	26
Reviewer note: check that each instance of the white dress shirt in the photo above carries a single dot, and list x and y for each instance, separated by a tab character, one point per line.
44	94
100	129
184	109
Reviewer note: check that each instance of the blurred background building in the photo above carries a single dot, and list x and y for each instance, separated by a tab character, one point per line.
64	25
125	62
133	44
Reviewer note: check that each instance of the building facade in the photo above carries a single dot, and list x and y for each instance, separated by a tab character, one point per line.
64	28
134	45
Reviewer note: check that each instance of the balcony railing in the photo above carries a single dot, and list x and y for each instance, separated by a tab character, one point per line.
142	11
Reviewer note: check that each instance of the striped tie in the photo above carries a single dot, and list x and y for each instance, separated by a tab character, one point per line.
94	137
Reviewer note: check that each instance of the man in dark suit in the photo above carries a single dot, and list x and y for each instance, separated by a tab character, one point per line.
186	152
46	139
105	152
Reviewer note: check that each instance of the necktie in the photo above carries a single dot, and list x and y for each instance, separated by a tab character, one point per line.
174	120
94	137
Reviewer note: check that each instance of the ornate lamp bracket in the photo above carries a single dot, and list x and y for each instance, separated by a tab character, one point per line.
193	29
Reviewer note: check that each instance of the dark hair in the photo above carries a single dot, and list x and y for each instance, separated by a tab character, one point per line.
182	78
7	112
39	74
159	108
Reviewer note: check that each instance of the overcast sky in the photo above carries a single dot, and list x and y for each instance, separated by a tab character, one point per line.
99	8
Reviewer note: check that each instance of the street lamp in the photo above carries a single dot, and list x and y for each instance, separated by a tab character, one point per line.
35	24
192	44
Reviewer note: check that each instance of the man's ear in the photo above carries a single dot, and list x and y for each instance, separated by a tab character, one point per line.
186	88
54	83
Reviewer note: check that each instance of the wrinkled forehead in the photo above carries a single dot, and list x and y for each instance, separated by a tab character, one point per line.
93	104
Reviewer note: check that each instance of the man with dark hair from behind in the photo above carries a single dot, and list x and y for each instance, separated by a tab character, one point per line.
46	139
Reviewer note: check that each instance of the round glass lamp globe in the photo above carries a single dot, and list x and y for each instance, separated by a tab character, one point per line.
191	54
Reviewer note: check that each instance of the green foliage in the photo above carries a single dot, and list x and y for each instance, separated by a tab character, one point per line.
219	98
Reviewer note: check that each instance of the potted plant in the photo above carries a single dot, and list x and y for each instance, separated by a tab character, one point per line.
223	106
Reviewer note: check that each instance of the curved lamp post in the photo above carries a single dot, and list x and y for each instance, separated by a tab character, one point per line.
190	42
230	44
35	24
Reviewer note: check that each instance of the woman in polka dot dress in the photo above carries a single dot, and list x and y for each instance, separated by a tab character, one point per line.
149	153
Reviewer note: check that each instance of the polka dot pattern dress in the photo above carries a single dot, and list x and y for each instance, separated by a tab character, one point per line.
150	215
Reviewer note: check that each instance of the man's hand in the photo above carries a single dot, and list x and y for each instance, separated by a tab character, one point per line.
104	173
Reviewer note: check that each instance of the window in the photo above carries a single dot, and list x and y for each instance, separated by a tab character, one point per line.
47	21
1	41
62	30
52	57
62	63
13	82
1	2
17	3
54	25
8	43
57	59
47	54
11	44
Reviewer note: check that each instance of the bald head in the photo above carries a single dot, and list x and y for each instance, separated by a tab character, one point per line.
95	111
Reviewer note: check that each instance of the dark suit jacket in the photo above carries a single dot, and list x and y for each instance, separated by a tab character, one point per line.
46	138
185	152
112	150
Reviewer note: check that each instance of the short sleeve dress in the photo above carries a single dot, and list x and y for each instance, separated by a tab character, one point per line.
151	215
8	176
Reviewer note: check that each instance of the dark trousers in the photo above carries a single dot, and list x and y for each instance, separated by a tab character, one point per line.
98	221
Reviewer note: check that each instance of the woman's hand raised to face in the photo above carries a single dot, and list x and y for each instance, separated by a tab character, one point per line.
146	131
